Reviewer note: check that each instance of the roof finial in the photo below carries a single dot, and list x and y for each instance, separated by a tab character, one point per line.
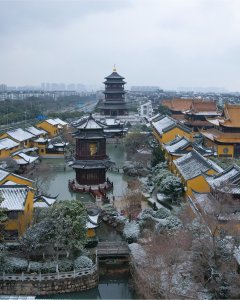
114	68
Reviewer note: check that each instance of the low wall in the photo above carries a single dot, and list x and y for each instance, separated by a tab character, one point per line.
48	284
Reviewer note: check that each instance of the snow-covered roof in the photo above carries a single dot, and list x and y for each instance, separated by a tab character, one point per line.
110	122
35	131
20	161
3	174
163	123
60	122
113	130
40	140
52	122
25	159
90	123
177	143
204	113
79	121
44	201
20	134
7	144
92	221
62	144
194	164
227	181
14	197
27	150
9	182
49	200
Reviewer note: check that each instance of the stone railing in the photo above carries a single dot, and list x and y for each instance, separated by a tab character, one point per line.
49	276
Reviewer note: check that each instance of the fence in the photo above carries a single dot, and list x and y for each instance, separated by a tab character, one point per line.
50	276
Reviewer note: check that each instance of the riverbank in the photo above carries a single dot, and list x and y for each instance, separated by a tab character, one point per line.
109	287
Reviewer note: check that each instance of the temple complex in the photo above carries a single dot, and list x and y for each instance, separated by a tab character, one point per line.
200	110
192	112
224	137
114	101
177	106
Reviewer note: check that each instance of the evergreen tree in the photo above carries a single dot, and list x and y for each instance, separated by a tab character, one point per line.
157	156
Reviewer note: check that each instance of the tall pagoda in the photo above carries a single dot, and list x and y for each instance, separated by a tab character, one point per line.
114	96
91	161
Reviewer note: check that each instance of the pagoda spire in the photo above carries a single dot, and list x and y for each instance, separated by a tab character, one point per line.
114	68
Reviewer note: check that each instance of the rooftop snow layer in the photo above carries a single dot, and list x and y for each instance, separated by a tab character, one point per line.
52	122
61	122
14	197
3	174
35	131
176	144
194	164
20	135
163	123
7	144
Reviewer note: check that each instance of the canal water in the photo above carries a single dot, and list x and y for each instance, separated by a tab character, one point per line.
108	288
57	184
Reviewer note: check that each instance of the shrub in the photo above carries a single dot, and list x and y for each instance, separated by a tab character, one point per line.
16	264
162	213
83	262
172	187
65	265
49	267
168	224
35	266
131	231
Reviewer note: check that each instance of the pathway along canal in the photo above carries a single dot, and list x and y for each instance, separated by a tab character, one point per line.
112	287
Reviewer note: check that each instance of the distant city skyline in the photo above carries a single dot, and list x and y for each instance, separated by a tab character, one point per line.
170	44
54	86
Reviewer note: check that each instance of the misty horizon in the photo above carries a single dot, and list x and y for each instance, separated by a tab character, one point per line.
169	44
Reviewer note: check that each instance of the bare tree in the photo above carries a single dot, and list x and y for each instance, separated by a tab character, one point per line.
132	199
41	175
12	165
155	277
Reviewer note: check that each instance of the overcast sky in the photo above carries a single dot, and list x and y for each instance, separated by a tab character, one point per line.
169	43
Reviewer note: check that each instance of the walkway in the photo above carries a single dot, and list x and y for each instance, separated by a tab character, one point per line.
112	249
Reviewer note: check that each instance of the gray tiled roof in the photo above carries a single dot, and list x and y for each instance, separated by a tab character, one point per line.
226	181
194	164
20	135
7	143
114	75
179	143
3	174
14	197
90	123
91	164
